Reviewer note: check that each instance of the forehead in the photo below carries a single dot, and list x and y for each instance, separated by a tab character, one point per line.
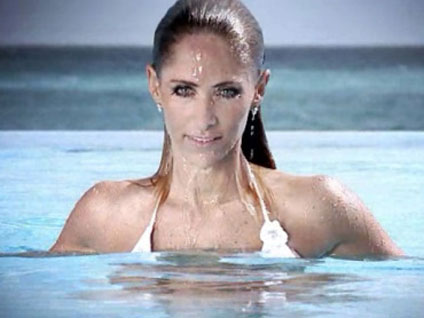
205	56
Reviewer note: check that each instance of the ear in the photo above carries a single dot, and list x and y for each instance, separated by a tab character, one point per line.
153	82
260	87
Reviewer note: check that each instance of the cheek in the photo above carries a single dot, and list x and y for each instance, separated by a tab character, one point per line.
239	122
174	120
237	115
174	114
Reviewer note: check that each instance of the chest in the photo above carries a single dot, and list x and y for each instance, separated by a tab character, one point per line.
227	228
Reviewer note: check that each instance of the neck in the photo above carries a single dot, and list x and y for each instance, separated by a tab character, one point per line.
217	184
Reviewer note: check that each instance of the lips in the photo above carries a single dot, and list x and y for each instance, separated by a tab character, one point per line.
203	140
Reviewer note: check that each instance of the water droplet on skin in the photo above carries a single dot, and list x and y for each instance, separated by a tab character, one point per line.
198	56
194	73
250	209
198	69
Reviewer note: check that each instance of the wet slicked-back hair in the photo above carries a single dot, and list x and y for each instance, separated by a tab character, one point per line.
227	18
231	20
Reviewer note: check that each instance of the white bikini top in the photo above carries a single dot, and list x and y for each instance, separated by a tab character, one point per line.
272	235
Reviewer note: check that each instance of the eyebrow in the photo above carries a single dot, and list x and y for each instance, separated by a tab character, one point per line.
226	83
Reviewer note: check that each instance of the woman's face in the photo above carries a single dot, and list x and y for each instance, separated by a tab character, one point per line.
206	95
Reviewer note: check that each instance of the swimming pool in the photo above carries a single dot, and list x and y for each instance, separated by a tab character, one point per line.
42	174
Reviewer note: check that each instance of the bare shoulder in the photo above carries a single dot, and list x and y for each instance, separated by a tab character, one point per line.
292	186
99	212
298	201
105	197
352	228
326	217
325	195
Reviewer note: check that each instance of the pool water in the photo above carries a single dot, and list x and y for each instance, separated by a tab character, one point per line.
42	175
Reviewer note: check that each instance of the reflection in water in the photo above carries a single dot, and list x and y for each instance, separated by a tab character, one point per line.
209	285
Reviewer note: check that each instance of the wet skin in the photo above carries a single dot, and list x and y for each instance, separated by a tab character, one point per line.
206	94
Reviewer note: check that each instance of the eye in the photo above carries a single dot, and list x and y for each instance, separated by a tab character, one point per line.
228	93
183	91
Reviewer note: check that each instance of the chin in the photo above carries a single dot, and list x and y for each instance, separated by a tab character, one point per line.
210	159
204	160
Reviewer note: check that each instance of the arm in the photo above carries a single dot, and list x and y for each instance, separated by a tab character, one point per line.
356	231
81	229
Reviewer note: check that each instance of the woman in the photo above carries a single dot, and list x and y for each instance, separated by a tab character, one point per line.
216	187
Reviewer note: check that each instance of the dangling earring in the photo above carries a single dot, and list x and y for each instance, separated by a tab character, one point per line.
255	110
159	108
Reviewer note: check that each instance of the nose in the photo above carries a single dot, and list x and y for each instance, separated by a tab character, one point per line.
206	113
